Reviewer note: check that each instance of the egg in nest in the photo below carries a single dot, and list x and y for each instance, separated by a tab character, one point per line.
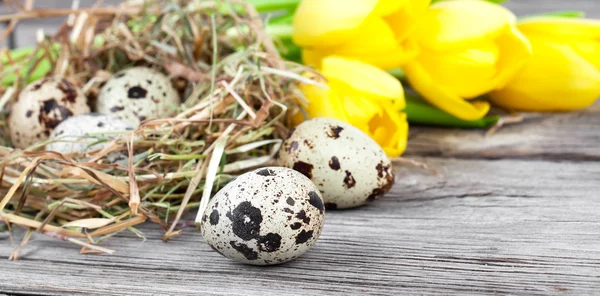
137	94
41	106
86	132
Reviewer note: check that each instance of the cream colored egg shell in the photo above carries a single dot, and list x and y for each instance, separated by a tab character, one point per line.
137	94
264	217
41	106
77	133
348	167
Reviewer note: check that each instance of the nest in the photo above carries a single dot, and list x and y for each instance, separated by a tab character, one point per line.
235	90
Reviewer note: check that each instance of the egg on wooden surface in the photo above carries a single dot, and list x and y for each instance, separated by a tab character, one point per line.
264	217
347	166
41	106
137	94
86	132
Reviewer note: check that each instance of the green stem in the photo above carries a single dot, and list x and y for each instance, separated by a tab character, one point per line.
563	13
273	5
420	112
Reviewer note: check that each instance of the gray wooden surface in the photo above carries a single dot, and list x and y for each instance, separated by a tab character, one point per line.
515	213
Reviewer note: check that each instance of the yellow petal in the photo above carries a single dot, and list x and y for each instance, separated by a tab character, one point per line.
325	23
390	131
556	78
589	50
360	110
387	7
466	73
391	59
442	98
560	26
404	20
387	60
515	51
373	35
363	77
313	57
453	24
323	102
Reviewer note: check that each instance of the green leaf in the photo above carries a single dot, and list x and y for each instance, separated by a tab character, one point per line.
398	73
562	13
272	5
420	112
285	19
289	50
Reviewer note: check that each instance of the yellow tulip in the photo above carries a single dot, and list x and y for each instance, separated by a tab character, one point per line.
564	71
467	48
362	95
372	31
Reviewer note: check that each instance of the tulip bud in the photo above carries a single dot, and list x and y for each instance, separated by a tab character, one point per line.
564	71
467	48
362	95
367	30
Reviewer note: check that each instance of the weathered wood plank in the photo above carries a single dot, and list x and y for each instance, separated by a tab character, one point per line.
480	227
528	7
559	136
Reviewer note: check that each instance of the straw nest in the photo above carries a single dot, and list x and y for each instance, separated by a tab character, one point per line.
235	90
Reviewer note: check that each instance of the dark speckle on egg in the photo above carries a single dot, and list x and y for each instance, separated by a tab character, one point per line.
115	109
334	163
302	216
334	131
290	201
246	220
304	236
303	168
266	172
349	181
52	113
244	250
315	200
136	92
269	243
214	217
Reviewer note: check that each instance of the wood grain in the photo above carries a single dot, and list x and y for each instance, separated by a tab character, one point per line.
561	136
511	214
479	227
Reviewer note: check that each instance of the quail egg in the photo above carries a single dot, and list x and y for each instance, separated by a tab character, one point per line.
79	134
347	166
41	106
264	217
137	94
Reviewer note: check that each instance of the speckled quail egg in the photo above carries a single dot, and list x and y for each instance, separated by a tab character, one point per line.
268	216
82	132
137	94
41	106
347	166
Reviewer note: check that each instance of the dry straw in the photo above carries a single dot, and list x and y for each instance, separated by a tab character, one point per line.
236	90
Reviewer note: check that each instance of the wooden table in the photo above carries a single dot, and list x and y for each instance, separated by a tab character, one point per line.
514	213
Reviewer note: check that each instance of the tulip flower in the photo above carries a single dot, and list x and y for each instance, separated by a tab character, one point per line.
467	48
362	95
372	31
564	71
